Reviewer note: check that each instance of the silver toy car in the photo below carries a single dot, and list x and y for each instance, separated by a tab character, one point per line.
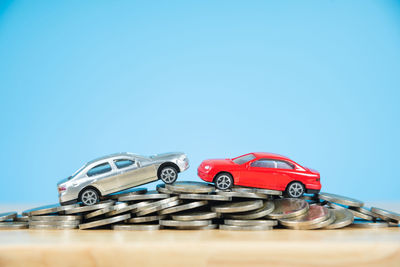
118	172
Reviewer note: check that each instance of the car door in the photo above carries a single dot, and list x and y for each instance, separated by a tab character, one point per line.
132	172
261	173
284	174
104	177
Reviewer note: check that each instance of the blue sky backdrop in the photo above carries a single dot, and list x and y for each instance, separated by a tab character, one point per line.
317	81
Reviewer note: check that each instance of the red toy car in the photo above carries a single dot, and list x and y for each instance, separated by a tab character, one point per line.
262	170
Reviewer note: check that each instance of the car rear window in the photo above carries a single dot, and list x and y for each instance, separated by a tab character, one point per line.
122	163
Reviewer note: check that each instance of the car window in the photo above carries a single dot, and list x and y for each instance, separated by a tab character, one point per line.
122	163
284	165
244	159
99	169
264	163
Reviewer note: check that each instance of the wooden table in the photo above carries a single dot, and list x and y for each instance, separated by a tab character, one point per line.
349	246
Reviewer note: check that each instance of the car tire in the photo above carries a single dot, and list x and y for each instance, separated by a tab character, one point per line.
89	196
295	190
168	174
223	181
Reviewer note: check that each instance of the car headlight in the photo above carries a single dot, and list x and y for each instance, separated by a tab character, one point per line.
207	167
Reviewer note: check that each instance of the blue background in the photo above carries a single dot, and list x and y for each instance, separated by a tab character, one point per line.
317	81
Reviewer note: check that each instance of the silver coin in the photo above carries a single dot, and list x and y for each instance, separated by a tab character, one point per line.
136	227
13	225
53	227
343	218
267	208
157	203
315	214
146	219
55	218
245	228
386	213
212	197
100	205
241	206
156	208
195	216
190	187
361	215
103	222
8	216
103	211
270	223
127	208
257	190
366	224
183	207
242	194
56	223
365	210
208	227
21	218
310	198
129	192
331	218
173	223
148	196
288	207
49	209
161	188
351	202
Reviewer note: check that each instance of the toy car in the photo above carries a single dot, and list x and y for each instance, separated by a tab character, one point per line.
261	170
118	172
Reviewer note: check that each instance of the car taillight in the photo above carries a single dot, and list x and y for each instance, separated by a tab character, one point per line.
61	189
317	179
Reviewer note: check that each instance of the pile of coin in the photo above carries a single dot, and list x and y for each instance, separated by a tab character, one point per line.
198	206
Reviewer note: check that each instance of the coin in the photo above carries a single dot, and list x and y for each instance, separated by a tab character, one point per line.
343	218
257	190
240	206
53	227
365	210
242	194
190	187
212	197
386	213
173	223
136	227
366	224
49	209
7	216
128	192
361	215
103	211
100	205
267	208
207	227
315	214
183	207
161	188
155	208
13	225
146	219
56	223
103	222
195	215
55	218
148	196
288	207
351	202
251	222
127	208
331	218
245	228
21	218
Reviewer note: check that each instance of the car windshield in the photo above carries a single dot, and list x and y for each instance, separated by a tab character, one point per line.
243	159
76	173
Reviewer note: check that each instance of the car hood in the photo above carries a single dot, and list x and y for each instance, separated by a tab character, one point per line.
167	155
218	162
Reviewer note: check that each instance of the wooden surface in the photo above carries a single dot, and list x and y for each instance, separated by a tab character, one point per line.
355	247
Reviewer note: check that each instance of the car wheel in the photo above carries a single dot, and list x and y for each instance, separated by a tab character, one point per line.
89	197
295	190
168	175
223	181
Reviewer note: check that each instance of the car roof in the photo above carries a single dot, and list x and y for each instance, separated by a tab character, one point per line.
111	156
269	155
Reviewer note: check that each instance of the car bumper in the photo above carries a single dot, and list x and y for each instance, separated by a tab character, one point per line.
65	198
183	165
313	188
205	176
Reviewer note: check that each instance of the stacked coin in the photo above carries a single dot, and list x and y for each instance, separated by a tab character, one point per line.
199	206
